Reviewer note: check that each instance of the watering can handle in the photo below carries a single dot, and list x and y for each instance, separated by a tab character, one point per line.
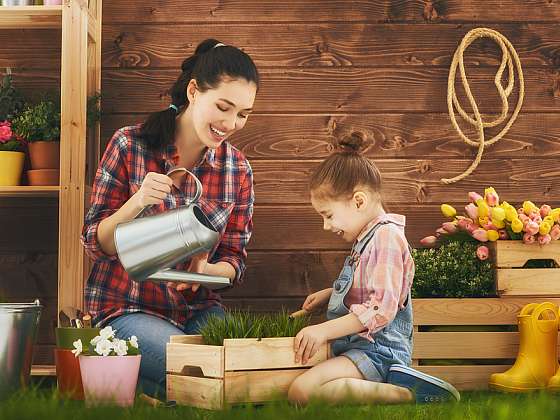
194	199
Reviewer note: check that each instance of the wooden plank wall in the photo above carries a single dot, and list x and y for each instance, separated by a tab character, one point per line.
327	67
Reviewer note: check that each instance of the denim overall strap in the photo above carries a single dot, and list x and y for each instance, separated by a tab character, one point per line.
343	283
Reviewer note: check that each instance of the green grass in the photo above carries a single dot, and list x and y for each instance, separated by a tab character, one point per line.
243	324
44	403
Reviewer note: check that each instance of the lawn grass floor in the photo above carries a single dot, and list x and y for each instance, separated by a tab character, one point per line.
42	402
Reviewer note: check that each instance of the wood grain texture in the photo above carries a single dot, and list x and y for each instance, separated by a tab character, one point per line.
272	11
402	136
342	90
308	44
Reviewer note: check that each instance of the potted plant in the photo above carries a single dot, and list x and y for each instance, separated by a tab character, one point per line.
109	368
40	126
12	155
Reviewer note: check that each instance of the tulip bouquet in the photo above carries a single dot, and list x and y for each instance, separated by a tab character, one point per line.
486	219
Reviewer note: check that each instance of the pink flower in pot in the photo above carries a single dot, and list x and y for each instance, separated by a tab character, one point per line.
6	133
482	252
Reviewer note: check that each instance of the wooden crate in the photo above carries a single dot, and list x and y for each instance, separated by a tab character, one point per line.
513	280
240	371
460	317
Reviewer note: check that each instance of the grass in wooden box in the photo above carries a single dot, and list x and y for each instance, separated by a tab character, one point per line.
486	351
219	368
513	278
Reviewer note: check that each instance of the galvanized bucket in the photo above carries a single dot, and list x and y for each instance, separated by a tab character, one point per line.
18	329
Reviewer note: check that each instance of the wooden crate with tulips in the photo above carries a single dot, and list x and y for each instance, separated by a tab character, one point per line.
522	243
213	371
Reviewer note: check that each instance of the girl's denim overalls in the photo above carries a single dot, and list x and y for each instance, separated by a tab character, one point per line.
391	345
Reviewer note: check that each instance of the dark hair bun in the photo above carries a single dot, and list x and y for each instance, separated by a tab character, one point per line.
354	142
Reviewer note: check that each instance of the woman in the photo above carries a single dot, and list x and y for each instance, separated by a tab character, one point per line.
211	99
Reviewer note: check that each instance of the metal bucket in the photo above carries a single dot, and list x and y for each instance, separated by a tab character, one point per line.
18	329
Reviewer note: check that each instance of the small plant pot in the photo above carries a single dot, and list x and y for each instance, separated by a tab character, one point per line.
109	379
11	166
43	177
68	374
17	2
65	336
44	154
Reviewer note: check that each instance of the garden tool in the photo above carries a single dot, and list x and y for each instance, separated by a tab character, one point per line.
149	246
537	359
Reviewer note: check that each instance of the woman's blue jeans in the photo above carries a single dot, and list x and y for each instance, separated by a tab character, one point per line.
153	334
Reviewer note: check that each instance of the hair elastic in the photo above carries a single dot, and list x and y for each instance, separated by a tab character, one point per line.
219	44
174	107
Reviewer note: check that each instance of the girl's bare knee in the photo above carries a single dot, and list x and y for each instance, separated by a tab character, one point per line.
299	391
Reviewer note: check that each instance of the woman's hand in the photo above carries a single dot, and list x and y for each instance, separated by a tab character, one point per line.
317	300
153	190
198	265
308	341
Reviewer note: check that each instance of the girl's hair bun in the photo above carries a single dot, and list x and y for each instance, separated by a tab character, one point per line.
353	142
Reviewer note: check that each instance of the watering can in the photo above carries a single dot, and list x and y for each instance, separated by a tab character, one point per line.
149	246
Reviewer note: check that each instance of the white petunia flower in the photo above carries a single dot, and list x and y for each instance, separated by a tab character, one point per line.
120	347
105	334
134	341
78	348
103	347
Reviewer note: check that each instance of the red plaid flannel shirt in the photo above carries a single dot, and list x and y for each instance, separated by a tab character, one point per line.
227	200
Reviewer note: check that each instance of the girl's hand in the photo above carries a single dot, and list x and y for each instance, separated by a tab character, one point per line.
198	265
308	341
153	190
317	300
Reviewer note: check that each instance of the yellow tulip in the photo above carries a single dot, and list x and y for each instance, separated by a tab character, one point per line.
498	213
555	213
516	225
500	224
511	214
448	211
544	228
483	221
549	219
493	235
528	207
483	209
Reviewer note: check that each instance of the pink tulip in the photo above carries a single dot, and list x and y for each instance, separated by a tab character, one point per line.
441	231
503	234
473	196
482	252
471	227
535	216
545	210
429	241
520	210
449	227
491	197
555	232
489	226
528	238
544	239
472	211
523	217
463	222
480	235
531	227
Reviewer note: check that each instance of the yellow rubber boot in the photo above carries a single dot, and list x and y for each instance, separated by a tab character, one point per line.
554	382
537	359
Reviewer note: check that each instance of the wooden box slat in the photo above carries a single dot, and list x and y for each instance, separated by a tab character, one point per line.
258	385
199	392
467	377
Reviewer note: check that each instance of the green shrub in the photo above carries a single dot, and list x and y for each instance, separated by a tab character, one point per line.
11	100
452	270
243	324
39	122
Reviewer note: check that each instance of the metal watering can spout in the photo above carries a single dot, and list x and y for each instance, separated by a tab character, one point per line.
149	246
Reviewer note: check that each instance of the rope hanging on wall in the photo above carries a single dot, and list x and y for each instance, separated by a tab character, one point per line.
509	57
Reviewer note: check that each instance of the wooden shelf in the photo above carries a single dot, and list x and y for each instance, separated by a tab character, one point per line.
30	17
43	370
29	191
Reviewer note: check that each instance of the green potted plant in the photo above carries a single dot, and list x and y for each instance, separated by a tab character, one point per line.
39	125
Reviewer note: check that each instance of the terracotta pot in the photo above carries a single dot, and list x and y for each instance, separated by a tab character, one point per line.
11	166
44	154
43	177
68	374
110	379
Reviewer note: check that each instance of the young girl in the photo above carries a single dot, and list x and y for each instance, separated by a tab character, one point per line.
369	306
210	100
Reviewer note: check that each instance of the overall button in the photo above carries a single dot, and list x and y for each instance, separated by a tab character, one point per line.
337	287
